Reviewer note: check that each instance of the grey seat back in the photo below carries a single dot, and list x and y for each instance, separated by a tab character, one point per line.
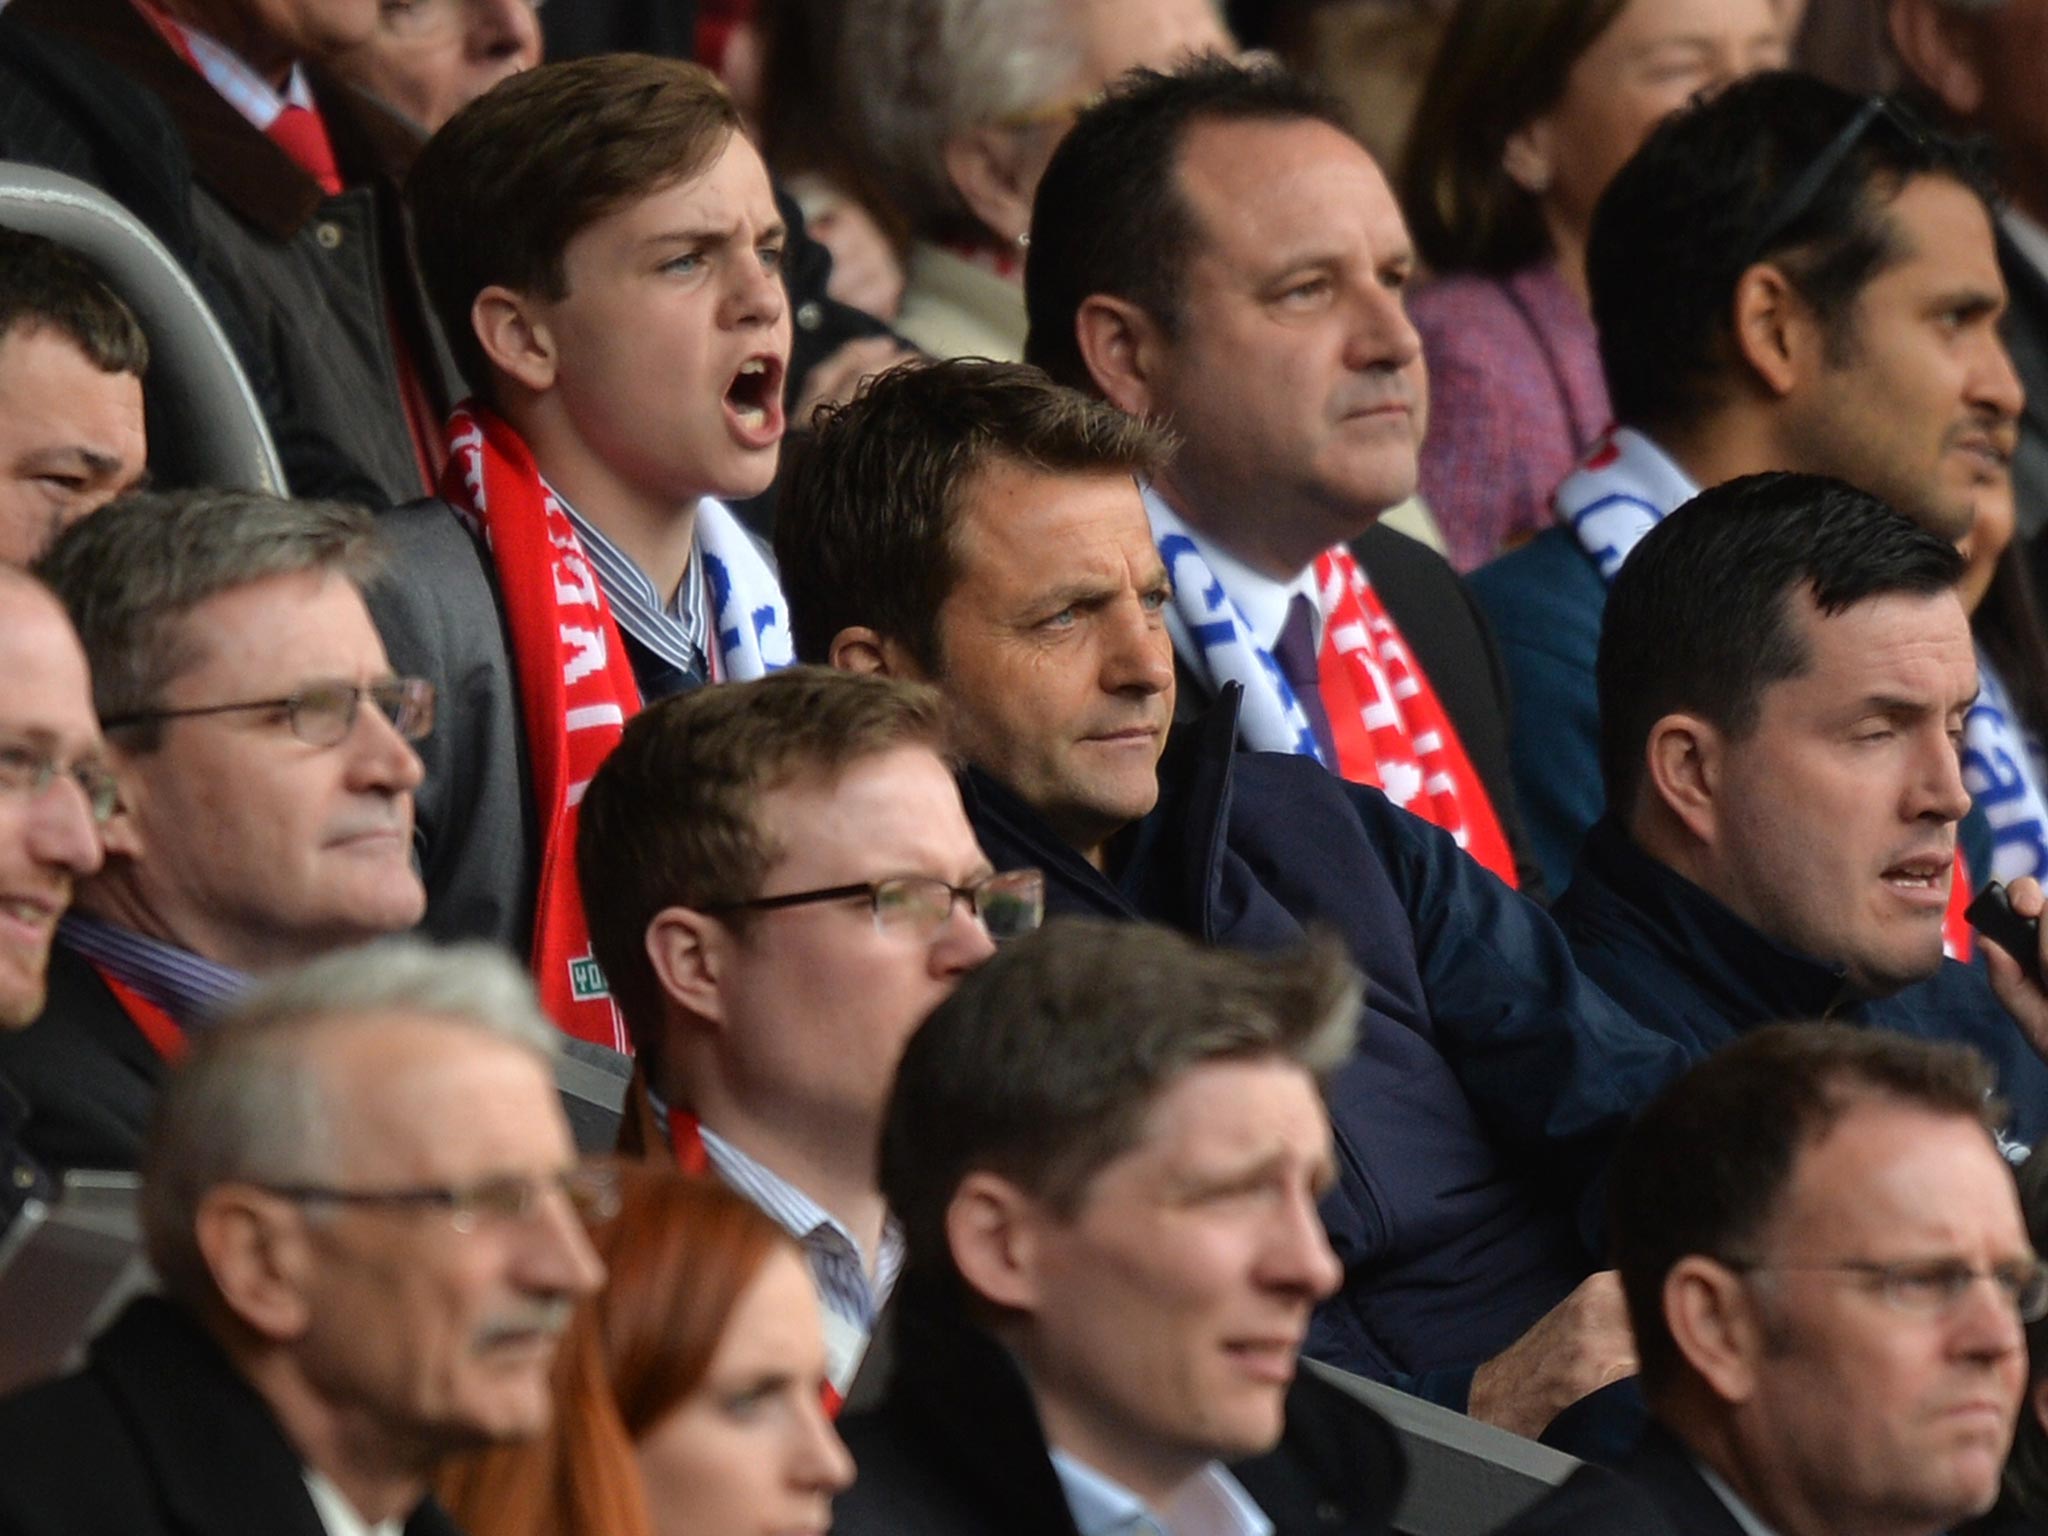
206	427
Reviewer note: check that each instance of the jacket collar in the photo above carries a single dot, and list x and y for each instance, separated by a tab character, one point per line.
189	1410
1168	865
1750	974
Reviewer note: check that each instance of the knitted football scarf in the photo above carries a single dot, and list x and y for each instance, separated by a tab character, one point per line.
2004	772
576	688
1625	486
1388	726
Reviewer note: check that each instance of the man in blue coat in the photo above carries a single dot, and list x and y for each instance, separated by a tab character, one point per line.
1783	679
974	526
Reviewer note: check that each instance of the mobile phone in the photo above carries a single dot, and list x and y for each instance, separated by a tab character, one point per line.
1991	914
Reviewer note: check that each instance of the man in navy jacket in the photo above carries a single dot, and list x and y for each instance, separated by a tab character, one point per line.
977	527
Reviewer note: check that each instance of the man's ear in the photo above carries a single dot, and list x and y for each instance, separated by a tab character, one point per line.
994	1230
1682	762
121	834
1714	1324
259	1252
1937	44
1119	343
1777	332
514	336
990	168
860	649
687	950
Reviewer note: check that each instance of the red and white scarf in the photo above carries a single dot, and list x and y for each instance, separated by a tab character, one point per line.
576	689
1625	486
1389	728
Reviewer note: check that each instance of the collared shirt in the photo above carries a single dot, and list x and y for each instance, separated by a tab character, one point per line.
189	987
1262	600
228	73
1211	1503
339	1516
678	632
850	1298
1752	1524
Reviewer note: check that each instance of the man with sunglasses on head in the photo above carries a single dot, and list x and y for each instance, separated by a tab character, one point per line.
1827	1273
54	793
1784	278
781	883
262	751
361	1202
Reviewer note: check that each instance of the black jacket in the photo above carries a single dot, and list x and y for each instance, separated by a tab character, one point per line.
1656	1492
955	1449
157	1436
1686	966
89	1075
1490	1076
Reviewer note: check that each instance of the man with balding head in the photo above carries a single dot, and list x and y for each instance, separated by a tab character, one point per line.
55	790
356	1281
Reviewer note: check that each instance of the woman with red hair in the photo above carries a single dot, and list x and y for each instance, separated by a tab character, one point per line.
687	1391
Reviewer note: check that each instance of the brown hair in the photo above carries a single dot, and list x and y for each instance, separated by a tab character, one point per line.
864	528
1704	1167
44	283
504	186
679	1255
669	820
1499	64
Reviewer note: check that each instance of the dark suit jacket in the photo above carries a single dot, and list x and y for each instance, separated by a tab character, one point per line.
441	617
89	1075
1656	1492
955	1449
157	1436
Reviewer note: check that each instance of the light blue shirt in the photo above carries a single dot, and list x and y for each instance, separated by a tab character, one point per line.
1211	1503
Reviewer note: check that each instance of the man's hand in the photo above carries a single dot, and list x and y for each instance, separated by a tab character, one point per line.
2021	994
1578	1346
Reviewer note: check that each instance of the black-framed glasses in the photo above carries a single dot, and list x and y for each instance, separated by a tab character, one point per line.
1793	203
28	770
320	714
1933	1287
504	1199
1008	905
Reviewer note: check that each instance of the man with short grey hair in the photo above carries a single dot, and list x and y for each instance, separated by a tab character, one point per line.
265	813
356	1281
957	104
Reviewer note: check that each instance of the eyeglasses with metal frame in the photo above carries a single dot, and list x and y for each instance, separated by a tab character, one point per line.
1930	1287
320	714
27	770
592	1191
1007	905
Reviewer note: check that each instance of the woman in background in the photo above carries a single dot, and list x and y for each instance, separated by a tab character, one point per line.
1530	108
687	1391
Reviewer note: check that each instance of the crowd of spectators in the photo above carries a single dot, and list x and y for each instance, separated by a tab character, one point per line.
1132	747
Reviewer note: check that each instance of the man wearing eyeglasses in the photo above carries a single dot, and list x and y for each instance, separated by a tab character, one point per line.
54	792
1784	277
262	753
781	884
361	1202
1827	1274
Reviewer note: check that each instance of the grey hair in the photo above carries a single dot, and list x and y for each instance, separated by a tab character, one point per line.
918	72
247	1105
131	572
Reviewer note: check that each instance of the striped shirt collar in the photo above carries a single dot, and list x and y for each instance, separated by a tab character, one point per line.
1211	1503
680	632
835	1256
228	73
189	987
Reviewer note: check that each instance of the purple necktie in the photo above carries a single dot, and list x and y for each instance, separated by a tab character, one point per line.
1295	651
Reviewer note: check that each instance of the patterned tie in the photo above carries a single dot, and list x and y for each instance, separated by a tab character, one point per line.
1295	651
299	132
